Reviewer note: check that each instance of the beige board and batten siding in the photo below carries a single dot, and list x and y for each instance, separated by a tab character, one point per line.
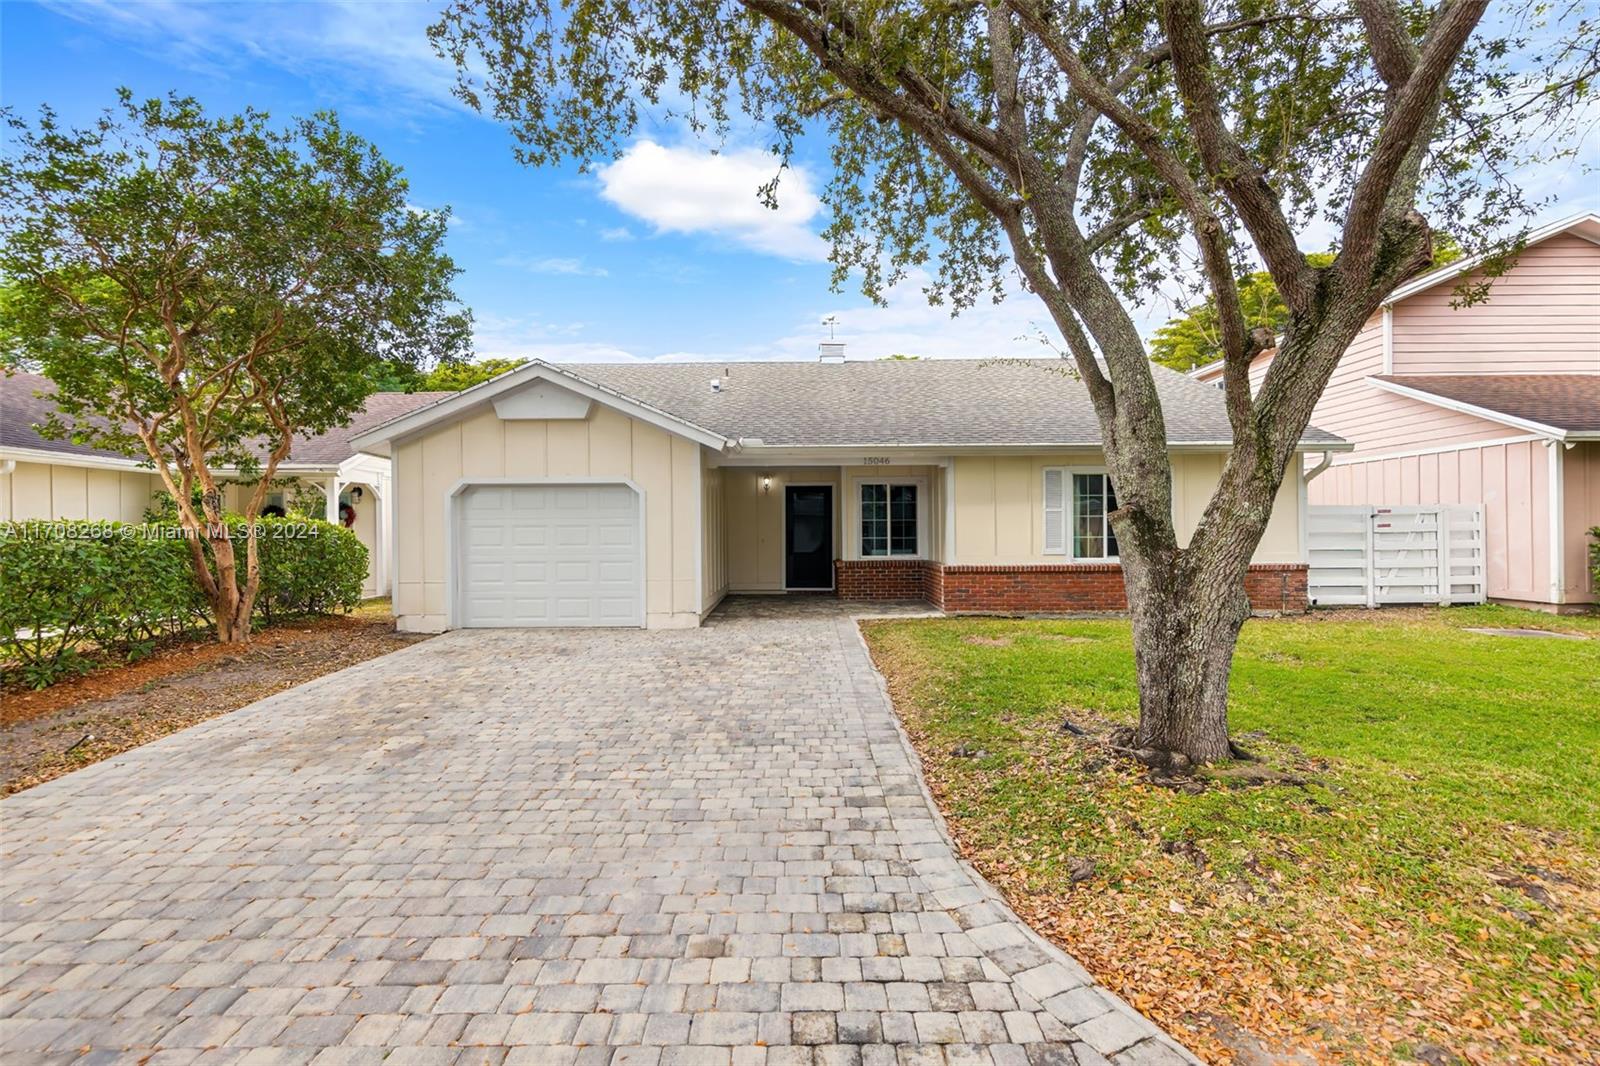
753	529
999	506
605	444
713	537
1580	468
52	491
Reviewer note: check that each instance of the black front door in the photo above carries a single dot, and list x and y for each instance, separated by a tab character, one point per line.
808	536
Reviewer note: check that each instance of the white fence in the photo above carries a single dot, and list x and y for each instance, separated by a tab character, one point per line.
1371	556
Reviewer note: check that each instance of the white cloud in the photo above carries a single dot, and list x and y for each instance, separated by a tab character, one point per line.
502	337
559	264
616	233
691	190
377	51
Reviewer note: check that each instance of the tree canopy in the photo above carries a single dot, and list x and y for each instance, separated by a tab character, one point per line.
1194	339
202	290
1093	151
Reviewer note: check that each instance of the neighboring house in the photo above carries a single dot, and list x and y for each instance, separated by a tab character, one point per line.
50	479
641	494
1495	404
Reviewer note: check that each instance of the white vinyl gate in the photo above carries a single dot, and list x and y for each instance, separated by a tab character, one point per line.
1372	556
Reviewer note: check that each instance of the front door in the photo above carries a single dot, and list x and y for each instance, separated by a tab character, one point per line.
808	536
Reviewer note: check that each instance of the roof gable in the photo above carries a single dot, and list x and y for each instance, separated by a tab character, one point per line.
379	439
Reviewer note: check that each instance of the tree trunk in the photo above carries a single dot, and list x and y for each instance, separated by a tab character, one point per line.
1187	607
1184	630
230	610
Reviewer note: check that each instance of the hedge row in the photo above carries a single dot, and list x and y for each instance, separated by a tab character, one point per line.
72	585
1594	557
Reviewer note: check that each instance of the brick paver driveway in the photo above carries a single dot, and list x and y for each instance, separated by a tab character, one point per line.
706	846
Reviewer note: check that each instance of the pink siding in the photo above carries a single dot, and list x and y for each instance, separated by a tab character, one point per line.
1374	420
1511	481
1542	317
1581	506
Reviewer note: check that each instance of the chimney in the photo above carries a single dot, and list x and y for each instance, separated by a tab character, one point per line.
830	352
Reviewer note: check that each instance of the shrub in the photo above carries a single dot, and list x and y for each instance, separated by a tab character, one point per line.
1594	558
69	585
308	566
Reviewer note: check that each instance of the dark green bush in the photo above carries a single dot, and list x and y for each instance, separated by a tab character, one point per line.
308	566
1594	558
65	586
69	584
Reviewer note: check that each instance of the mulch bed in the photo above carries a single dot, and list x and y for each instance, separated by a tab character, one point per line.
75	723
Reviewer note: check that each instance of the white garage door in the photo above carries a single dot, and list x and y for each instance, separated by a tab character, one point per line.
549	555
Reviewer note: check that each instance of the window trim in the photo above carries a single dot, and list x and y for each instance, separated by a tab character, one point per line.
853	539
1069	542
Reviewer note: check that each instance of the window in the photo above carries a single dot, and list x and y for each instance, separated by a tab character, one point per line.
1075	509
888	519
1092	499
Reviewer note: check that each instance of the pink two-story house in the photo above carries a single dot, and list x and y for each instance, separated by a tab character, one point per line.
1495	404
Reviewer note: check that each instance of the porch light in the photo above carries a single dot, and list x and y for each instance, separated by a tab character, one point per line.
766	483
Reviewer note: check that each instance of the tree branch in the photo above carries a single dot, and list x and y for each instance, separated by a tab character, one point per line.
1226	162
1404	135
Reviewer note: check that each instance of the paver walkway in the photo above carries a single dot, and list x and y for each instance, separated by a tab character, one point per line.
705	846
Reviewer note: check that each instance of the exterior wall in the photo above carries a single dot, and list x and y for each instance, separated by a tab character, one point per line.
754	522
1580	468
754	531
714	541
366	530
1375	420
1034	589
57	490
606	444
1510	479
889	579
999	506
1542	317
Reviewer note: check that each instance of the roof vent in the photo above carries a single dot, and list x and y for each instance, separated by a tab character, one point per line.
716	384
830	352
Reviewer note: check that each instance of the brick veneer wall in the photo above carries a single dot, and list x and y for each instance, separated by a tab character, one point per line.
886	579
1046	589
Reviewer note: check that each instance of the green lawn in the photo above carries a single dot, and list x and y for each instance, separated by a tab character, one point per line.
1435	879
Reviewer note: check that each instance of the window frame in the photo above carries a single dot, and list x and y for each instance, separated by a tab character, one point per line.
857	482
1069	549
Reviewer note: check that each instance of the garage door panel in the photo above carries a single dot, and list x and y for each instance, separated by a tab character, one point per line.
564	555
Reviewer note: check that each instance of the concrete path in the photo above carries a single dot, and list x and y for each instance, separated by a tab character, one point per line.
609	847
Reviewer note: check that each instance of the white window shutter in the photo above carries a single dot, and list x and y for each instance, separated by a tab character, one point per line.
1055	511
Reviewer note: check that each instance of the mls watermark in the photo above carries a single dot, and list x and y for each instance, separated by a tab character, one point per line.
102	531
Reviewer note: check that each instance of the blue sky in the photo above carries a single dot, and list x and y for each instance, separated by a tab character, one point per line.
665	254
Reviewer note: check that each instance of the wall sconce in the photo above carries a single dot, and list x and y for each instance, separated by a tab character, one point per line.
766	484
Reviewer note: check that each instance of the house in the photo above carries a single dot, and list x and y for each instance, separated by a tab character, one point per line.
641	494
50	479
1495	404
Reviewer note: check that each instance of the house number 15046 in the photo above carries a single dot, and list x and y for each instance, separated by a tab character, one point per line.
877	460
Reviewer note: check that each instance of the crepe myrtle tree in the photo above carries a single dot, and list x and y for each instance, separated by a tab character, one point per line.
1100	149
203	290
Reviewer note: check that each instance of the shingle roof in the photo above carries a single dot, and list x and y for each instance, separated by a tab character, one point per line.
903	402
22	407
333	447
1569	402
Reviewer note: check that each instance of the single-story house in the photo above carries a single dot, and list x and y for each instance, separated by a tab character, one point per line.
42	478
642	494
1495	404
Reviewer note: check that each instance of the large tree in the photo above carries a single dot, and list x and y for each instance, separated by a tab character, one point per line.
203	290
1098	148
